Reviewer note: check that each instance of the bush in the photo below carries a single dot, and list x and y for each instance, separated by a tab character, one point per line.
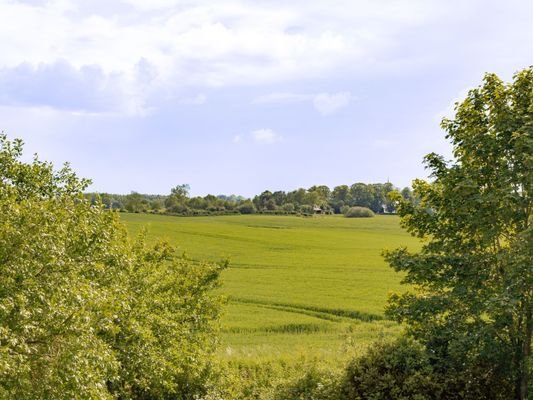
359	212
315	384
306	209
247	207
397	370
288	207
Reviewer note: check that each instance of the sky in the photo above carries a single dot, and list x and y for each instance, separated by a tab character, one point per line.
240	96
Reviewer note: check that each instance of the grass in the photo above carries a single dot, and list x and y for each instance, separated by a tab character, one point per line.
296	287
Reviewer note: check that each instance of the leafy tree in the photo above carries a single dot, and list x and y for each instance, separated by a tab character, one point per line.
271	204
340	197
156	204
180	191
474	274
385	190
213	202
407	194
323	193
246	207
341	193
261	201
279	197
312	198
175	202
86	312
197	203
297	197
135	202
361	195
288	207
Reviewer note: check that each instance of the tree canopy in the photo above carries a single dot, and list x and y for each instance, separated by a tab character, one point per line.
84	309
474	274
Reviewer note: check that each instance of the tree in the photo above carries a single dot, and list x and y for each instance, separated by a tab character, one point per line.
175	202
323	192
474	274
279	197
361	195
180	191
261	201
297	197
407	194
85	311
134	202
340	197
247	207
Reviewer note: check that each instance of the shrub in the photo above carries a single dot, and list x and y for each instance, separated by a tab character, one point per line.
358	212
315	384
288	207
306	209
397	370
247	207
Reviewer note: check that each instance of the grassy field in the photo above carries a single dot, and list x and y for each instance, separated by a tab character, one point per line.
296	287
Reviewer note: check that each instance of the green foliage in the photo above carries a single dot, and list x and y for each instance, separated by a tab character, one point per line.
288	207
135	202
474	275
167	330
373	196
85	311
247	207
306	209
314	384
358	212
398	370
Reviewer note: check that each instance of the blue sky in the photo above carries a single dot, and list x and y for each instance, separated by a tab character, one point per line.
242	96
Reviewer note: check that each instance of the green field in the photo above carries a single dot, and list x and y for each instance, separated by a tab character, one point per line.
296	286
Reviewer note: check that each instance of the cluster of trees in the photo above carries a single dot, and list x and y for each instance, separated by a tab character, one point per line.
372	196
85	310
301	201
177	202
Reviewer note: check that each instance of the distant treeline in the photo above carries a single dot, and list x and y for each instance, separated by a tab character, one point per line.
314	200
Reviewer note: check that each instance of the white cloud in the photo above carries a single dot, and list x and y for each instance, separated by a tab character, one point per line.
327	104
324	103
237	139
266	136
61	86
168	45
206	43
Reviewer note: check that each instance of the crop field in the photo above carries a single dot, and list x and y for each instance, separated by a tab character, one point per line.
296	287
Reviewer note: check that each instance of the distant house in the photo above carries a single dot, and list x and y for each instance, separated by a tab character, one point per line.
317	210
